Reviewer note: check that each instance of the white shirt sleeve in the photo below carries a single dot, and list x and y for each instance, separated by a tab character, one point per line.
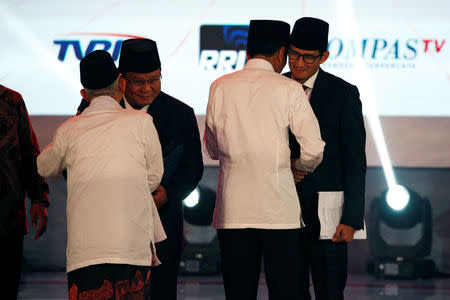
305	127
50	162
153	154
210	143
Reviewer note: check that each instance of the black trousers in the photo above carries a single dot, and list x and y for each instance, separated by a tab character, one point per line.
11	252
242	251
163	282
327	261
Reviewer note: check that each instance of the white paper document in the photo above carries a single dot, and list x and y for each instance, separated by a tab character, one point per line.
330	213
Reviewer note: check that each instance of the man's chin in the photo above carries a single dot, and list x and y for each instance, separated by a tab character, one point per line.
145	101
300	73
299	78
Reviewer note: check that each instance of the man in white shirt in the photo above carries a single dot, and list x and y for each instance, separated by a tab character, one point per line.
114	162
257	211
178	133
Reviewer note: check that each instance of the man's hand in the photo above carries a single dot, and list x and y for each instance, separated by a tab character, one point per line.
160	196
344	233
298	175
39	212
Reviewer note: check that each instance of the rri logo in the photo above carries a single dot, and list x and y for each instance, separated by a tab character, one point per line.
222	47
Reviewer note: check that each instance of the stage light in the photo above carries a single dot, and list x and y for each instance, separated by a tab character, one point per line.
201	252
399	230
198	207
400	235
192	199
397	197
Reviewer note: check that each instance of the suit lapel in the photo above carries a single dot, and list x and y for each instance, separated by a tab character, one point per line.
319	92
160	113
122	103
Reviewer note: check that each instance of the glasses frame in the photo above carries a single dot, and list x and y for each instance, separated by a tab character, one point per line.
142	83
311	58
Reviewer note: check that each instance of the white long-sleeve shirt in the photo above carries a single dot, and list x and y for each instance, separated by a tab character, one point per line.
247	120
114	162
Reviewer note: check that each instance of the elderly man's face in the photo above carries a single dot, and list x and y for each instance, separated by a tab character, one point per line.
142	89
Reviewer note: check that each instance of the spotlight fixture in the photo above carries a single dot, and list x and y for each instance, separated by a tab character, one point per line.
201	252
400	235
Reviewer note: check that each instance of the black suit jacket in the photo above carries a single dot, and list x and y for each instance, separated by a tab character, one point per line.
338	109
176	125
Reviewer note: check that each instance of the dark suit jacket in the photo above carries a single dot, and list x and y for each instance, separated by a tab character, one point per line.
338	109
176	125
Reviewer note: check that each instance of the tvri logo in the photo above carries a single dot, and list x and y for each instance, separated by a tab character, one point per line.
222	48
112	44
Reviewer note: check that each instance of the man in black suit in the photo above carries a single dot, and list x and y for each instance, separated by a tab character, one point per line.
177	128
337	107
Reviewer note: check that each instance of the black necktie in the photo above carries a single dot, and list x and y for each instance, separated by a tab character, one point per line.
305	88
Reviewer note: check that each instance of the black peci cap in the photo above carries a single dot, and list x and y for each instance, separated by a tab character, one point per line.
139	56
97	70
268	31
310	34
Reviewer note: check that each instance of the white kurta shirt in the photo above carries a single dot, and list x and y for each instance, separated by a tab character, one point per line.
247	120
113	161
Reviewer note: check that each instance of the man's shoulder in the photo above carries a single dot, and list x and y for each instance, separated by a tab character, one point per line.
286	79
228	78
329	78
10	95
130	112
262	75
335	80
287	74
131	115
68	125
174	104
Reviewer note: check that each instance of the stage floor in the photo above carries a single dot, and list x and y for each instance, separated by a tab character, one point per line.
52	285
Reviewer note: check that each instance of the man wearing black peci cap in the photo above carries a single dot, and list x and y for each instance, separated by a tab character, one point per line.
178	133
338	183
257	209
114	162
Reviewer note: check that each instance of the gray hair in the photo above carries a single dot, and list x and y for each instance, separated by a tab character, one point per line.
110	90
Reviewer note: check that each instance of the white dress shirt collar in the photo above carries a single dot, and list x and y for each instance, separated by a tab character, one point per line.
259	63
311	80
128	106
102	103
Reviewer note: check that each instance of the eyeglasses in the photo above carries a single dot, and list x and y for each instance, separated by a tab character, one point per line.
142	82
307	58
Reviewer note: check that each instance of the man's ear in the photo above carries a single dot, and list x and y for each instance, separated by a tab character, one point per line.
122	84
282	59
84	95
282	53
324	57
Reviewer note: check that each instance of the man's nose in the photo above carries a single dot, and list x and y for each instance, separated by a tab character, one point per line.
300	62
147	86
